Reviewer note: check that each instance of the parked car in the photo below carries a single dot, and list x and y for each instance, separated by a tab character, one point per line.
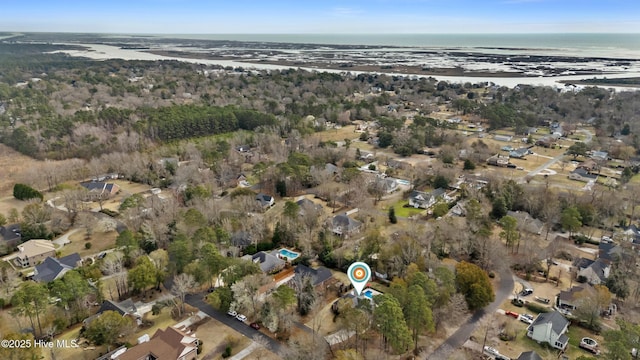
590	345
511	313
526	292
526	318
517	302
232	313
491	351
255	325
241	317
542	300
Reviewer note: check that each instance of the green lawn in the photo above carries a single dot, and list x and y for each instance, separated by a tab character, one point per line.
406	212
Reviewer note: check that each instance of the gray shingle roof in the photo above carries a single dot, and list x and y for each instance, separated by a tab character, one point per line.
347	223
318	275
558	322
583	263
52	268
267	262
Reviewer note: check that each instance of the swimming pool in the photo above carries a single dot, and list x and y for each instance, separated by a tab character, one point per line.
288	254
403	182
370	293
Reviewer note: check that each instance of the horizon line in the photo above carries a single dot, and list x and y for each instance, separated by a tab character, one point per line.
322	33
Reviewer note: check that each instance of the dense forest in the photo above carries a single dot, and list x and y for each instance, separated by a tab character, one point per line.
56	106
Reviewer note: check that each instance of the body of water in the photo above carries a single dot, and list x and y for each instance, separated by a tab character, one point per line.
597	45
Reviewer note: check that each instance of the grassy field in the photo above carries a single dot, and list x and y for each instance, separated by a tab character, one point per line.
402	211
345	132
14	165
100	241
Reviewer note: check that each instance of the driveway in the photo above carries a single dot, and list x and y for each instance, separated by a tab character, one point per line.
64	239
457	339
197	300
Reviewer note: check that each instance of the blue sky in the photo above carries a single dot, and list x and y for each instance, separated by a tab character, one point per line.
327	16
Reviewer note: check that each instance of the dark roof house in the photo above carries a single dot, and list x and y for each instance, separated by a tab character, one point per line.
519	153
305	205
526	222
265	201
345	225
596	272
570	298
423	200
319	275
581	174
10	234
609	252
51	268
268	263
100	190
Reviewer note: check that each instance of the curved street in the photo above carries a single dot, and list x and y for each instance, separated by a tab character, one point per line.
505	288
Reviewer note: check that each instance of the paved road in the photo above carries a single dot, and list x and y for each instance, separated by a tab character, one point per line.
197	300
589	137
457	339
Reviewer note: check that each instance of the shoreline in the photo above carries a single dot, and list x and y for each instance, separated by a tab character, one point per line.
103	52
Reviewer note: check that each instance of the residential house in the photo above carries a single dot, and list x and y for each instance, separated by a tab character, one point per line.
519	153
547	142
269	263
595	272
169	344
265	201
125	308
580	174
10	235
387	184
526	222
344	225
33	252
51	268
631	233
398	164
423	200
458	209
529	355
589	165
241	181
366	156
599	155
503	138
99	190
319	276
241	239
609	252
498	160
305	205
551	328
569	299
